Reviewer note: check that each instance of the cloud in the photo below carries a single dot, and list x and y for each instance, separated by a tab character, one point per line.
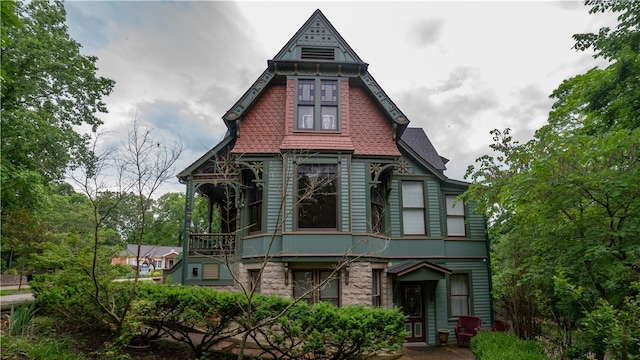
426	32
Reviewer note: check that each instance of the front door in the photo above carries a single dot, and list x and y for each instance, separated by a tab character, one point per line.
413	307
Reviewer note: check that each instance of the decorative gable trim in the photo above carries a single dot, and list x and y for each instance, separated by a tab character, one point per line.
317	32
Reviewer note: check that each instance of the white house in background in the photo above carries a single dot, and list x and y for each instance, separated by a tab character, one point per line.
151	256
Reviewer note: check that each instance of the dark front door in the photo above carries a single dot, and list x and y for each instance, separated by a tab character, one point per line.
413	307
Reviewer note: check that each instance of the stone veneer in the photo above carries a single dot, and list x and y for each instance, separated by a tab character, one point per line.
357	292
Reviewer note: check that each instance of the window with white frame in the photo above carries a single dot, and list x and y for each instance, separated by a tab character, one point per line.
459	294
413	209
317	105
455	217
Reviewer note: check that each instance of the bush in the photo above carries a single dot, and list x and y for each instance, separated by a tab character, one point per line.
324	331
73	296
499	345
181	311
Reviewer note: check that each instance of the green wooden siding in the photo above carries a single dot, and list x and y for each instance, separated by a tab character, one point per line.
359	197
344	195
476	222
289	184
331	243
465	248
272	195
434	217
260	245
417	247
480	293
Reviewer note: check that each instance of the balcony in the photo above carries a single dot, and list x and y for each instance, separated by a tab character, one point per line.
211	244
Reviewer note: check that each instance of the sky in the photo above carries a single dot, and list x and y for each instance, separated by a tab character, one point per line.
457	69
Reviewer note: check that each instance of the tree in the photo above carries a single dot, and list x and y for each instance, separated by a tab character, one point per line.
49	90
167	214
565	206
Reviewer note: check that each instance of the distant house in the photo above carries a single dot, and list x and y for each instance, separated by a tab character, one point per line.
317	116
151	257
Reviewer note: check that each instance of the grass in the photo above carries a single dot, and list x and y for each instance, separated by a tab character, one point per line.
5	292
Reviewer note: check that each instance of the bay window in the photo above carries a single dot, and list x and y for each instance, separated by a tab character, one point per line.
317	196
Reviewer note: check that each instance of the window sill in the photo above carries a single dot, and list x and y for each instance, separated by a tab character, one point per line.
317	132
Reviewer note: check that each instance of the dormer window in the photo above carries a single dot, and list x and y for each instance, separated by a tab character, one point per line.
317	105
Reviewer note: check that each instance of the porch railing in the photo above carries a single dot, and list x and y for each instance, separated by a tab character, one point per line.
212	244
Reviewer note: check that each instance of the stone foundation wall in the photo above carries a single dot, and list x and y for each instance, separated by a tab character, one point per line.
358	291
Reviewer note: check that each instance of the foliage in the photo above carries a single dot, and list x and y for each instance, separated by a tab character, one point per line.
203	317
48	90
500	345
42	347
566	204
323	331
180	312
20	319
70	293
611	330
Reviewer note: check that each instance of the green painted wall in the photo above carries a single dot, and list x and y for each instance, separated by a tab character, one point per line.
359	196
272	194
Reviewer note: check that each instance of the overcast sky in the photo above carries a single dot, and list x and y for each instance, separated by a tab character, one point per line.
457	69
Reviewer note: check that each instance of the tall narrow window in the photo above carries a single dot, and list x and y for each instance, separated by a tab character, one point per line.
376	288
303	285
377	210
313	286
413	211
317	197
254	278
306	103
254	207
459	292
317	105
455	217
329	104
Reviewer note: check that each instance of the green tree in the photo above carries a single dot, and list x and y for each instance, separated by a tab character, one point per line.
167	226
48	90
565	206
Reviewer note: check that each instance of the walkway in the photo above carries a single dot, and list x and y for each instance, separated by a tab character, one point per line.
16	299
450	352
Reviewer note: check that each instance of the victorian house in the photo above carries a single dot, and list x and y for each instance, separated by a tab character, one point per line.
321	190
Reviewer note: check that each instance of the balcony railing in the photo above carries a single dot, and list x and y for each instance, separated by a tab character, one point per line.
212	244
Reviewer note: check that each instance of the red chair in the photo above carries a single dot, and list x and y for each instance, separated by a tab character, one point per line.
501	325
468	326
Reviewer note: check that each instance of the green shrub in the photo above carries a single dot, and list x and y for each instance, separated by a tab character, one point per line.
324	331
180	311
499	345
73	296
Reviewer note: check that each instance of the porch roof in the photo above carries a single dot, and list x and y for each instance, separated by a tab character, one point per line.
418	270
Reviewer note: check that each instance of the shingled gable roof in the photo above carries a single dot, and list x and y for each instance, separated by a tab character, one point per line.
318	36
416	141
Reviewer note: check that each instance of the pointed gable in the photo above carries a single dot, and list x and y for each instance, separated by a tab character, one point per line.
317	49
316	40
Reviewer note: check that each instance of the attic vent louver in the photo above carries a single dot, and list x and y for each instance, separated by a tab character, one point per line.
317	53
